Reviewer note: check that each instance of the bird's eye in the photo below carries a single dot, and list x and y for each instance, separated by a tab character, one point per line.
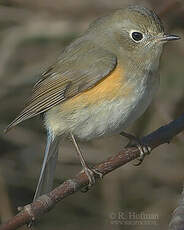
137	36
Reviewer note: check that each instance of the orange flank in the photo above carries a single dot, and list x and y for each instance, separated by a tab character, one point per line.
109	88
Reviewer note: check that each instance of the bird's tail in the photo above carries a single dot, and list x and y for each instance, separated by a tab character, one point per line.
46	178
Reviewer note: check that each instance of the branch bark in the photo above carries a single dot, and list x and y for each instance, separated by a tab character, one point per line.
45	203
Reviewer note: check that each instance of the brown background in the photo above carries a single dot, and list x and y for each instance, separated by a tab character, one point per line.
32	33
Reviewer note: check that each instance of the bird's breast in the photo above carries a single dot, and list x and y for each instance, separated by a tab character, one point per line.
110	87
109	107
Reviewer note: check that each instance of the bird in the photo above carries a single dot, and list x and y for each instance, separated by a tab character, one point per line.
102	82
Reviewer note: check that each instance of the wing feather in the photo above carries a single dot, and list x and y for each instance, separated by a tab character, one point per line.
81	66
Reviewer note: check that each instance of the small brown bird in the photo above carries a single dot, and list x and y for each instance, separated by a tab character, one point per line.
102	82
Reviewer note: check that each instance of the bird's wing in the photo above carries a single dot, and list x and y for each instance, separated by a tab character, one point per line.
81	66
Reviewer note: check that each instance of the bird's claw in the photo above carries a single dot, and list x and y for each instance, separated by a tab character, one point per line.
136	142
144	150
91	176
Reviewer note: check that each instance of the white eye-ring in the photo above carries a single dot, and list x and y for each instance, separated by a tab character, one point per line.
136	36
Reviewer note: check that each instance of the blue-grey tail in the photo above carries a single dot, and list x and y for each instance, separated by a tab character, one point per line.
46	178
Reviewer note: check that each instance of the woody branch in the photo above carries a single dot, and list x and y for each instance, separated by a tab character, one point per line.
46	202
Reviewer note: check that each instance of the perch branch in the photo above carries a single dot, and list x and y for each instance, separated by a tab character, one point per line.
46	202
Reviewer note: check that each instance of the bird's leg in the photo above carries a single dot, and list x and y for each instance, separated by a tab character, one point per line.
89	172
134	141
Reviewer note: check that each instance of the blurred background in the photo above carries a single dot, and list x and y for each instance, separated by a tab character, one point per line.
32	35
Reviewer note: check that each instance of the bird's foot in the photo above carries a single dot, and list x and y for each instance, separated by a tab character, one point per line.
91	176
136	142
144	150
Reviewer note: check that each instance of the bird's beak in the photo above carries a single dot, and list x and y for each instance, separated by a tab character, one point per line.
167	38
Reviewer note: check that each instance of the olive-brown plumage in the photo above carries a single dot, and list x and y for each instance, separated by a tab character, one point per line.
102	82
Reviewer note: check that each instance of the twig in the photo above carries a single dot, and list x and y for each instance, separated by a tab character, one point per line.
46	202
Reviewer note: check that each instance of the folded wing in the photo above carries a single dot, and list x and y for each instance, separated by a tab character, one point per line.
81	66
